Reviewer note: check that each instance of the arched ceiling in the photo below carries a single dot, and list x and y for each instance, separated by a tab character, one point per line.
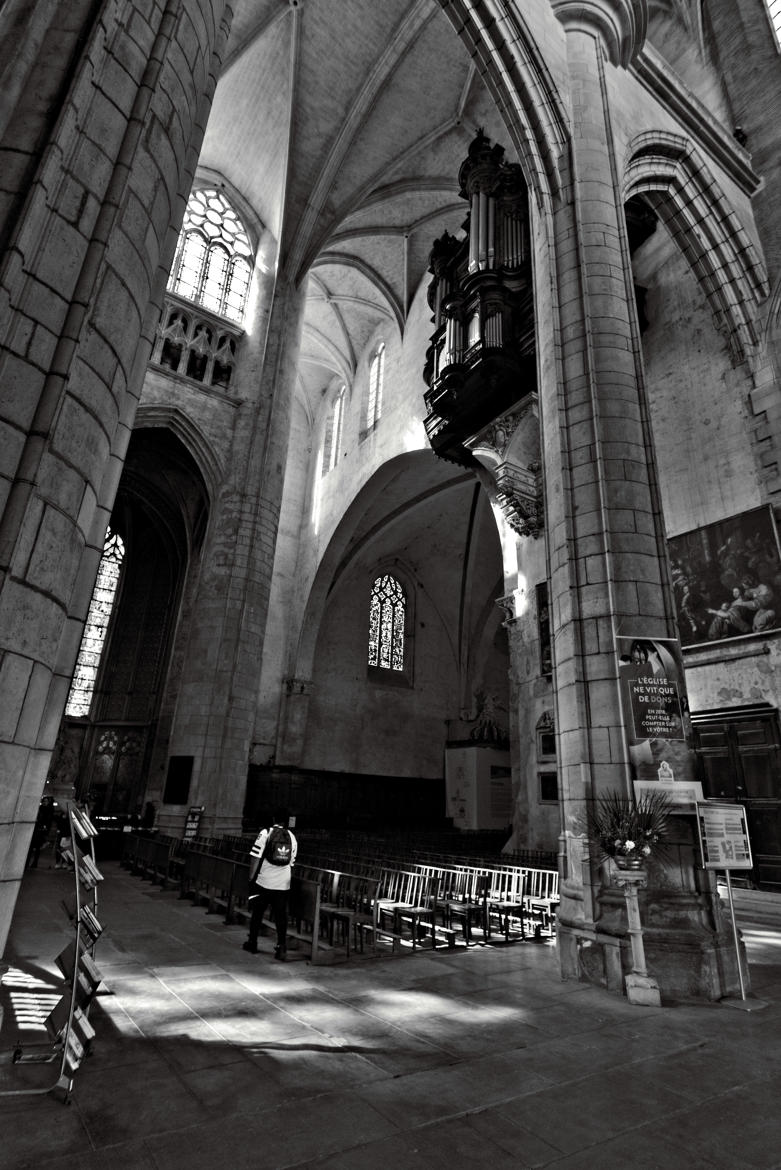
343	125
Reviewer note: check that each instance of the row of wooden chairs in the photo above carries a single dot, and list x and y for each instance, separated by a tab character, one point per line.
509	897
359	899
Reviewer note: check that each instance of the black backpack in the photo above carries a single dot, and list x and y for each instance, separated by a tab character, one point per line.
279	847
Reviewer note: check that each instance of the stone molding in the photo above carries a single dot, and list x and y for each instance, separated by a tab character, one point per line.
620	25
674	179
654	74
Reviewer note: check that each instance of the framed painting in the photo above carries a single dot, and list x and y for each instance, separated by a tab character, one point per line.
727	578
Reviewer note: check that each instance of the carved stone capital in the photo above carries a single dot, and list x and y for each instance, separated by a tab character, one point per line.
620	24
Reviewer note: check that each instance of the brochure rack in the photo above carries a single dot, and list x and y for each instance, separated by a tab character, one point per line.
68	1027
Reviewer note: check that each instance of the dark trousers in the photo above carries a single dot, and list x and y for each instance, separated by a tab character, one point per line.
277	900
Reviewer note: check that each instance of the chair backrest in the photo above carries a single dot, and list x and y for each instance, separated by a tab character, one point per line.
507	884
542	883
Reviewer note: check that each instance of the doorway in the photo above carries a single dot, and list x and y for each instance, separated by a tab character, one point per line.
739	751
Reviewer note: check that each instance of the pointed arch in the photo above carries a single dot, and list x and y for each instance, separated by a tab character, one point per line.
675	181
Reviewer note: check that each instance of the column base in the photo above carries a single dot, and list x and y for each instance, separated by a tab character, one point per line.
643	990
685	964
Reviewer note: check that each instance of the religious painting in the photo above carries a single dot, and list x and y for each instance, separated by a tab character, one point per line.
727	578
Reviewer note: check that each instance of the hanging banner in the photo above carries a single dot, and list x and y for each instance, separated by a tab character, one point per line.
724	840
656	722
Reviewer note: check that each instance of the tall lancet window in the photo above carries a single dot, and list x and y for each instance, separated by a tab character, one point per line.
387	613
376	379
94	637
333	432
213	262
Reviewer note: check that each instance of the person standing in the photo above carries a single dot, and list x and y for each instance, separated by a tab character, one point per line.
272	858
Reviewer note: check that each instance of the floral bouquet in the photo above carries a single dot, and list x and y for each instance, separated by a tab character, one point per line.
633	829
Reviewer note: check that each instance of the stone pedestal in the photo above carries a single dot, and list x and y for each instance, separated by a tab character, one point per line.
641	988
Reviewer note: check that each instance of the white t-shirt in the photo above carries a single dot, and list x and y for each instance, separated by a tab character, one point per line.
273	877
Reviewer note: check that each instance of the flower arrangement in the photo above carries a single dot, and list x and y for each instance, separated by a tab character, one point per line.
626	828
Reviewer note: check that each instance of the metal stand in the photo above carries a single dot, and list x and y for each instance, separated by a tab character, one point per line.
641	988
67	1023
746	1005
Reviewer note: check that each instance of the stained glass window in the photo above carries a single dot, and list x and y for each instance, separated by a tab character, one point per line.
94	636
333	432
213	262
376	379
386	624
774	12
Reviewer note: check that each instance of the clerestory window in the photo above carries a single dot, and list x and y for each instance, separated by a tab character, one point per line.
213	262
376	379
387	617
94	637
333	432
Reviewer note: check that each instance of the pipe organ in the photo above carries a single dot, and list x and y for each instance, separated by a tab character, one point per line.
481	359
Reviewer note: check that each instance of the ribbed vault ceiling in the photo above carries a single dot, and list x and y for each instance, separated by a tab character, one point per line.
343	126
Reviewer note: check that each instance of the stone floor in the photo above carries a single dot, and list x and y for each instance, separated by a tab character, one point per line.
208	1057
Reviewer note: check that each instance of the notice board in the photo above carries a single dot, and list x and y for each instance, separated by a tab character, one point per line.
724	840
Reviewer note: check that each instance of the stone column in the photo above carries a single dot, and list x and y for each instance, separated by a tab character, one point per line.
97	151
608	572
217	702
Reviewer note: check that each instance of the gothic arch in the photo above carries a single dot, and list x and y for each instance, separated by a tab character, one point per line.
675	181
341	548
172	419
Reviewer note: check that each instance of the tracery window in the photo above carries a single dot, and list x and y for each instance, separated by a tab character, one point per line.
333	432
96	627
376	379
387	613
213	262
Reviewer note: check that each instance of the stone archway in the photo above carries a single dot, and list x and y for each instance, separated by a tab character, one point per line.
160	514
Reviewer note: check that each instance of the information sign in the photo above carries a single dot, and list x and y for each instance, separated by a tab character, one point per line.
724	840
193	822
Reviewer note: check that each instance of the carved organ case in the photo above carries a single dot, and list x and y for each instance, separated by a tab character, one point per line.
481	360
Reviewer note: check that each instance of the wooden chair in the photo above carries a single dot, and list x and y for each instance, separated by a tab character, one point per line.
505	901
472	908
542	898
353	909
407	899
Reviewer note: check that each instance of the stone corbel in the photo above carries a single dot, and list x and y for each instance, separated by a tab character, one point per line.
509	450
509	607
519	495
